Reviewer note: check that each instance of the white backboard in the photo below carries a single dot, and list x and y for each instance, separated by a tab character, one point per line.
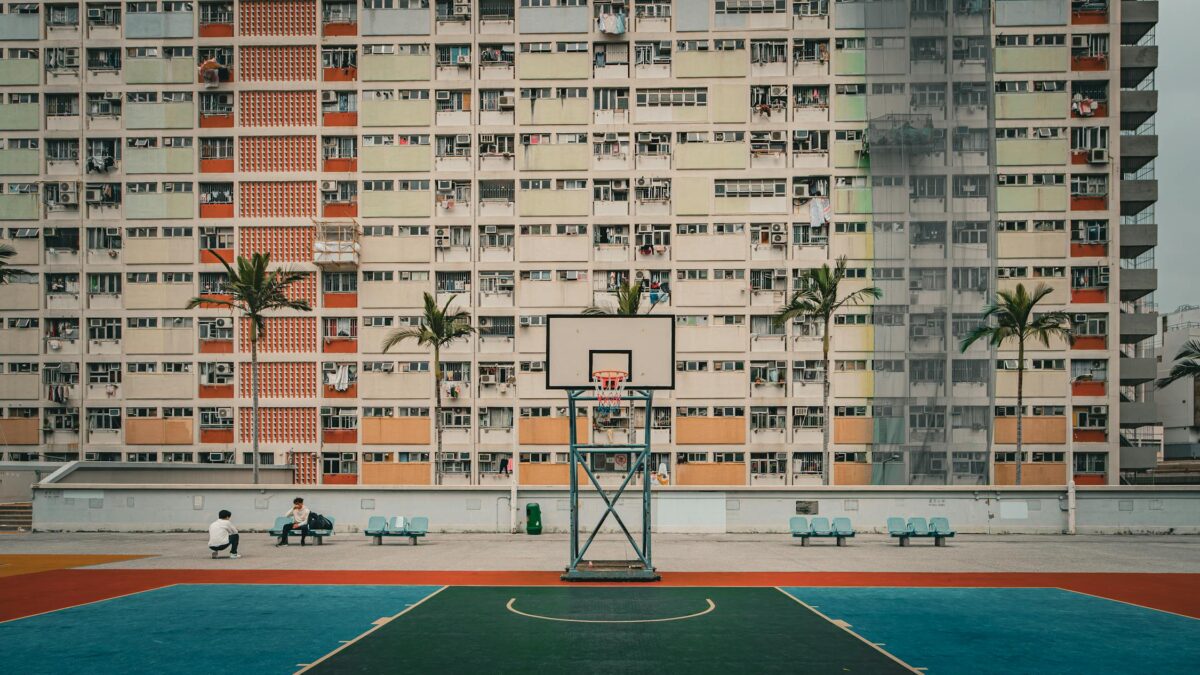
577	345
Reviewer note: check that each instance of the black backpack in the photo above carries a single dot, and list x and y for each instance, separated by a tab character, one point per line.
317	521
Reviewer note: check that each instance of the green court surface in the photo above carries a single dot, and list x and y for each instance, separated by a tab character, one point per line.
609	629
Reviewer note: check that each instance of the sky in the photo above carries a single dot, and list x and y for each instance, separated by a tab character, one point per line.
1178	153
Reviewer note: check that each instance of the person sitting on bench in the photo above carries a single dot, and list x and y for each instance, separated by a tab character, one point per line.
223	535
299	516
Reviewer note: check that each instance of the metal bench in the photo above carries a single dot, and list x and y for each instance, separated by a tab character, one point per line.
937	529
841	529
413	528
277	529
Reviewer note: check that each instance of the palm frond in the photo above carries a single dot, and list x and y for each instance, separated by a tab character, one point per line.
1187	364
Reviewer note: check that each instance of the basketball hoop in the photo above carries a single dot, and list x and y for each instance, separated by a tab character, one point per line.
610	387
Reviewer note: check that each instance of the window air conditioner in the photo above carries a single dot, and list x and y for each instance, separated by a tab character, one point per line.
347	456
328	186
443	96
800	190
95	14
489	229
91	457
328	97
93	196
487	138
112	96
463	60
1096	410
445	186
1079	41
217	457
462	139
526	321
779	90
1098	156
1080	318
223	368
506	102
487	379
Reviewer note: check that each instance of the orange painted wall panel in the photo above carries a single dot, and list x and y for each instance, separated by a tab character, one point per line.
396	430
1042	473
216	210
214	30
851	473
1089	203
154	431
1087	388
1090	342
339	478
216	166
225	254
549	431
339	29
1090	479
339	436
340	210
710	430
20	431
340	164
339	346
1089	435
330	392
1089	250
856	430
710	473
339	74
216	391
1044	430
549	474
216	435
216	121
216	346
401	473
1089	295
339	119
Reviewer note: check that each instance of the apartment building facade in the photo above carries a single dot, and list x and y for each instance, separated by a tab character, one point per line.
525	157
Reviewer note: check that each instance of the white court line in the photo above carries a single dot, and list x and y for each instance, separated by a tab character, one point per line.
92	602
846	627
376	625
711	606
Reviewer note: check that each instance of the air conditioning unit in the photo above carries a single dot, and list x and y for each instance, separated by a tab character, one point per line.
462	10
68	368
463	60
800	190
443	96
93	196
441	242
225	412
328	186
1045	132
778	227
445	186
223	368
1080	318
487	380
484	322
112	231
1096	365
778	135
537	366
919	331
960	44
462	139
328	97
216	457
1104	276
67	198
91	456
779	90
442	232
1097	410
778	239
95	13
487	138
347	456
168	187
222	323
489	229
1002	273
526	321
1098	156
506	102
112	96
1079	42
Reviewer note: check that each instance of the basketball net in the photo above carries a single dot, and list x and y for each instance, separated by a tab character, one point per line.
610	387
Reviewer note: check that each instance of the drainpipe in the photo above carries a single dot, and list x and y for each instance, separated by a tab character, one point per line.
512	498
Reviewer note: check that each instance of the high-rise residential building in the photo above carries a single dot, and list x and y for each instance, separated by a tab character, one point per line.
525	157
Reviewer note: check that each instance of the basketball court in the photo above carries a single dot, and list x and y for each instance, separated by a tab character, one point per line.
193	621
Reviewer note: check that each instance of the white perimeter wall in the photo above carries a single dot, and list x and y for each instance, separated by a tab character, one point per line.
176	508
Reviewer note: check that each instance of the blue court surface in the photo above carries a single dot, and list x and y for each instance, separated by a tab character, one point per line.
1012	630
202	628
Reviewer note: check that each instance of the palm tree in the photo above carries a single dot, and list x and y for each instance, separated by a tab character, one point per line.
1187	364
252	289
629	302
818	300
1012	317
439	327
6	272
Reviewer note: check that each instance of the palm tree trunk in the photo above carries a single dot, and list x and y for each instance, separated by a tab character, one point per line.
437	415
826	455
254	395
1020	402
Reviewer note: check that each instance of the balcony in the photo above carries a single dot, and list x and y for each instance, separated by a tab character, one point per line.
554	157
1032	59
1031	13
1138	414
387	113
158	386
1137	283
1137	196
19	430
1137	370
1137	107
554	19
159	71
336	245
397	158
1137	239
20	162
19	72
159	160
19	206
1032	105
154	206
15	26
1138	17
152	431
1137	63
395	67
177	115
159	24
706	64
394	22
1137	327
20	116
1137	151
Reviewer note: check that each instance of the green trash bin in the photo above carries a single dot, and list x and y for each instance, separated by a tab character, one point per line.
533	518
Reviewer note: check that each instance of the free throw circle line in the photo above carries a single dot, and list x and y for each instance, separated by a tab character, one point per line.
711	606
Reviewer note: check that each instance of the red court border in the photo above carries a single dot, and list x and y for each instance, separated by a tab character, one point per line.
29	594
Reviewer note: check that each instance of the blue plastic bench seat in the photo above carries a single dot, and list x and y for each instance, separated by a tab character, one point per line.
277	529
840	529
937	528
413	528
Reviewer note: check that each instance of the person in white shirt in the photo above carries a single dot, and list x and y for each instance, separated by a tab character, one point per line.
223	535
299	515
